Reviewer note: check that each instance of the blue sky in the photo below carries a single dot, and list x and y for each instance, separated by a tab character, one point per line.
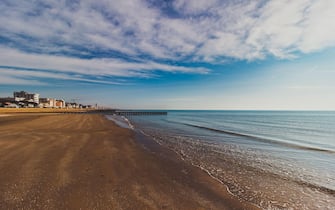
181	54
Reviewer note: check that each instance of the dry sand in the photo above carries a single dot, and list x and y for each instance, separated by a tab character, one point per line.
84	161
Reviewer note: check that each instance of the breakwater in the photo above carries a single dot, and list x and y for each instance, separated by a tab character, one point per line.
128	113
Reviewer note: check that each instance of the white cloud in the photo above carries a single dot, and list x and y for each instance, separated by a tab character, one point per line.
194	6
319	26
197	30
13	80
278	29
93	67
34	77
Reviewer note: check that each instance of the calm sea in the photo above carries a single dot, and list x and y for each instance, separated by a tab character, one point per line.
275	159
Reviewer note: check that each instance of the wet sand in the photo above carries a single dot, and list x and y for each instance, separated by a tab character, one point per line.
73	161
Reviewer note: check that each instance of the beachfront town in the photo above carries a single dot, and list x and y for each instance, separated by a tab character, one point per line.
23	99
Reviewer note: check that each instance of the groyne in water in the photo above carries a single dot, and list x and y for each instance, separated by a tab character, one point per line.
130	112
127	113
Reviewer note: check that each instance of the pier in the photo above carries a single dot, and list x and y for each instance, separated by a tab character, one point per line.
128	113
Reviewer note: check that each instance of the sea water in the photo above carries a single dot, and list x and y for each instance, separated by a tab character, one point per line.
274	159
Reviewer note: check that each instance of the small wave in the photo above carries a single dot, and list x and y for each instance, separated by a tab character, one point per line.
261	139
121	121
128	122
317	187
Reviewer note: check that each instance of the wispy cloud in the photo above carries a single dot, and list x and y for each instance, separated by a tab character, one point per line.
33	76
14	80
86	67
137	37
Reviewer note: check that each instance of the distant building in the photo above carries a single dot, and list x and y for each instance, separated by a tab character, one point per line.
60	103
24	96
47	102
10	105
5	101
51	103
23	99
72	105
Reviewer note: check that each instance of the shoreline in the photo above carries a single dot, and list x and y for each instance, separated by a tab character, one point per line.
153	146
243	177
149	143
86	161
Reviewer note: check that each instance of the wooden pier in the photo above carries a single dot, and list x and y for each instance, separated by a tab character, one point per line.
128	113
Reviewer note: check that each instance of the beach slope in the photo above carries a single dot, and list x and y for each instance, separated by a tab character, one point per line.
84	161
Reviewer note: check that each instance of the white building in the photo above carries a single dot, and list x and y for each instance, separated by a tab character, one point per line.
24	96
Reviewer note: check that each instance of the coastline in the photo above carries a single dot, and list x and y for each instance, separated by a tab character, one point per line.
86	161
248	174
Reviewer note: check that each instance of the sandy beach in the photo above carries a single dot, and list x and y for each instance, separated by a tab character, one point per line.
84	161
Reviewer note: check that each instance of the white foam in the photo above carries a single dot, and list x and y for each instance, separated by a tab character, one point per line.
120	121
131	126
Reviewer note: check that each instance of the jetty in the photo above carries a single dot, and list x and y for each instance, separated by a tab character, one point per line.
130	112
